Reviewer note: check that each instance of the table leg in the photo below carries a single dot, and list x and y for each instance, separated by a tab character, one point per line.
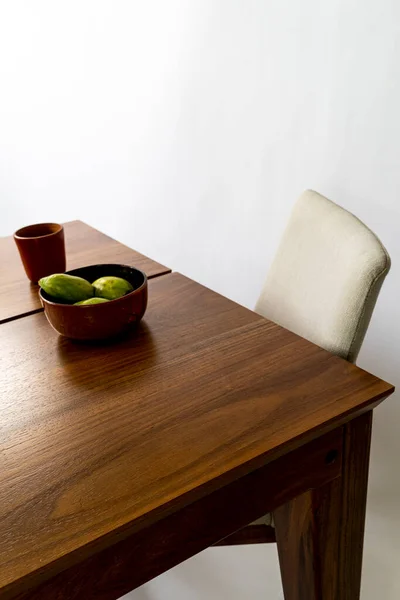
320	534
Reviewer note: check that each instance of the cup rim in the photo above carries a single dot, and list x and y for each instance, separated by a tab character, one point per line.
19	234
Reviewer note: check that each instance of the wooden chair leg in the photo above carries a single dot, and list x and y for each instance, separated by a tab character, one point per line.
320	534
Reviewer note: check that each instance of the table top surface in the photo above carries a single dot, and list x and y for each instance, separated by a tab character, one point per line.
84	246
100	441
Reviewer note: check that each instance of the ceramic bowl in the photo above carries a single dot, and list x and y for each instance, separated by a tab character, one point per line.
99	321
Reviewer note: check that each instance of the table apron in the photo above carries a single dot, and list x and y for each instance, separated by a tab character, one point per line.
135	560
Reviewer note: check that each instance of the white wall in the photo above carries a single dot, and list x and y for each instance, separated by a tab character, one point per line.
187	128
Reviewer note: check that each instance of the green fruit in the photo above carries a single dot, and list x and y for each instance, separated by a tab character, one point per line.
111	287
67	288
91	301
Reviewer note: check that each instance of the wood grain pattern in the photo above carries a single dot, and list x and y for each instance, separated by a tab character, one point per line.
320	534
296	532
84	246
145	554
353	505
100	442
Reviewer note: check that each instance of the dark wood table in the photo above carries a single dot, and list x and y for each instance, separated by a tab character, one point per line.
120	460
84	246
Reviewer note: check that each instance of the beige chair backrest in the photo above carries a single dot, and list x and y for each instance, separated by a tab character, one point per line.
326	276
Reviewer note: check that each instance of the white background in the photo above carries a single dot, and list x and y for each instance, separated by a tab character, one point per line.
186	129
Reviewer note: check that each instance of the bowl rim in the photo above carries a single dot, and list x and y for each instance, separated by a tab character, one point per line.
144	284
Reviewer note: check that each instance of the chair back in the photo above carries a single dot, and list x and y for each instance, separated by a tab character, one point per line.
326	276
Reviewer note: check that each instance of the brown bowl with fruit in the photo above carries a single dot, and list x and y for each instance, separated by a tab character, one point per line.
96	302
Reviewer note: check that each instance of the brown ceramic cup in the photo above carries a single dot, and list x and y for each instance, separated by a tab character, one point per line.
42	249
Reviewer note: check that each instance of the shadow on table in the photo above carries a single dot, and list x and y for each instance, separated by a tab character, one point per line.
103	364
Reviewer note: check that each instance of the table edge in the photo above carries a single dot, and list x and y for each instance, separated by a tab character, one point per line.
174	505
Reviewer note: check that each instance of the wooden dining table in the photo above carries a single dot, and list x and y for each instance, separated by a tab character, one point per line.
119	460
